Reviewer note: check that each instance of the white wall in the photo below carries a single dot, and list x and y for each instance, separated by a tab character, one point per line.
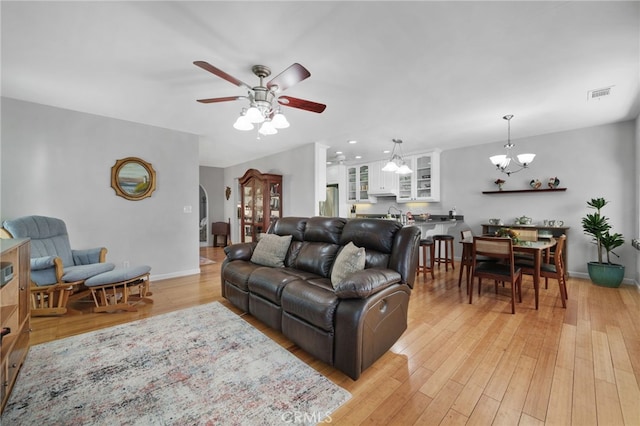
592	162
57	162
297	167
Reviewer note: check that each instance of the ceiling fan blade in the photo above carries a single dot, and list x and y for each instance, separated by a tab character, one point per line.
214	100
287	78
301	104
213	70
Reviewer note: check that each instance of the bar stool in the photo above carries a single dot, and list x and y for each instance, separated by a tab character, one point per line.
427	244
447	259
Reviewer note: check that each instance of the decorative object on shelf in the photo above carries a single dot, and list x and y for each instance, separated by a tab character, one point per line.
523	220
597	225
133	178
227	192
262	97
500	183
396	163
503	161
535	184
495	221
554	182
508	233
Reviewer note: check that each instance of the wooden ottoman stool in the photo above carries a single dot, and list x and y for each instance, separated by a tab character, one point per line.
114	290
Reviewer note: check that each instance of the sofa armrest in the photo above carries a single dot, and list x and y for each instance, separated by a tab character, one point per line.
240	251
89	256
363	284
40	263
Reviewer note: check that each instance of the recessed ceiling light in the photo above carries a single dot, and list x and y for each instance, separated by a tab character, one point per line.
352	141
338	152
386	151
358	157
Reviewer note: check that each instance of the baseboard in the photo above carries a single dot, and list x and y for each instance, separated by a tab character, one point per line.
174	275
585	275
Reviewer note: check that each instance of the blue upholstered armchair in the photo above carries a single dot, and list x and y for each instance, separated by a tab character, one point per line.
55	267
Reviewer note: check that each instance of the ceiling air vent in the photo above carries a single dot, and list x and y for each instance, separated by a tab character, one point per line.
598	93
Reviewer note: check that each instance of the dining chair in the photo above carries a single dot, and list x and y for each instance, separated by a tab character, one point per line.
527	234
466	261
553	269
504	270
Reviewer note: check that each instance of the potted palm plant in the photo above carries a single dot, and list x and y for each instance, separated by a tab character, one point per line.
597	226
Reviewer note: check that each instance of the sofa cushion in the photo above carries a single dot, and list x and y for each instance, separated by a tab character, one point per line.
349	260
316	258
372	234
237	273
293	226
363	284
324	229
269	282
271	250
312	301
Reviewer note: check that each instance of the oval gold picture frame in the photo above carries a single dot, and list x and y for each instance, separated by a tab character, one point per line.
133	178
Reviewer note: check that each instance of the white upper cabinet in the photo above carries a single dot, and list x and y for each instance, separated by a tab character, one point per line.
424	183
382	183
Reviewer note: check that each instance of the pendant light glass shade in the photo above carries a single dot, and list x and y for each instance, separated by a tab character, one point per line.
279	121
254	115
243	123
267	128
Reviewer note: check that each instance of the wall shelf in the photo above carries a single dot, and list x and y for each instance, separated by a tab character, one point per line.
514	191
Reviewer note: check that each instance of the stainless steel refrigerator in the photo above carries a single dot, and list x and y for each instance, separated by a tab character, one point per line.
329	207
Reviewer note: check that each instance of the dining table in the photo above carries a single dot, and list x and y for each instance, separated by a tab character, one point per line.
534	248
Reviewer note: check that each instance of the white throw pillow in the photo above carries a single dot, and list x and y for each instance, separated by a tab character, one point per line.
271	250
350	259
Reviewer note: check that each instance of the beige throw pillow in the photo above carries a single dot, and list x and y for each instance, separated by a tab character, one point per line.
271	250
350	259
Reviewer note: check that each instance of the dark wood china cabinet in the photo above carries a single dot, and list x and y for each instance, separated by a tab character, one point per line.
261	203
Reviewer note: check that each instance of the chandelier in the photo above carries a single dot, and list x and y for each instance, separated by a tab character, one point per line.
504	162
396	163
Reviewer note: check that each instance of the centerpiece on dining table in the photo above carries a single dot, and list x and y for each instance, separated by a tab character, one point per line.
508	233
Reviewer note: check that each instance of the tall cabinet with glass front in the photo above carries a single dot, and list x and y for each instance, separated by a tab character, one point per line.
261	203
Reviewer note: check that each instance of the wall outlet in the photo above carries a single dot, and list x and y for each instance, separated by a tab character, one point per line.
187	209
636	243
125	264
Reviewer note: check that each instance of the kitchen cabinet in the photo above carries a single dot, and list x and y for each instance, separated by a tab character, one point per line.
423	184
382	183
14	311
261	203
358	183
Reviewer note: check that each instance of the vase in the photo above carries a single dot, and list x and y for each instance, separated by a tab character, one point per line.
606	274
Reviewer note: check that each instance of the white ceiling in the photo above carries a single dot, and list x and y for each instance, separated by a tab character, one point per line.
435	74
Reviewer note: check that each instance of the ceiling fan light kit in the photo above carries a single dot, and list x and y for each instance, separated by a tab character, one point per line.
396	163
504	161
262	98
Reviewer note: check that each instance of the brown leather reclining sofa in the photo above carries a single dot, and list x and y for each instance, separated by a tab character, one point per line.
349	326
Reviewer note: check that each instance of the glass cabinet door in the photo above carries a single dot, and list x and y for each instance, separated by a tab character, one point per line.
248	204
274	200
351	184
364	183
423	176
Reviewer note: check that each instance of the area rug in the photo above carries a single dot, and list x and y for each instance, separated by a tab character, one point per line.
202	365
205	261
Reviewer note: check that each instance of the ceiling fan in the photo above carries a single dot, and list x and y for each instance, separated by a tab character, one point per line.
261	97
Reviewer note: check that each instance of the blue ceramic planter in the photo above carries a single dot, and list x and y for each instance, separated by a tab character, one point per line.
606	274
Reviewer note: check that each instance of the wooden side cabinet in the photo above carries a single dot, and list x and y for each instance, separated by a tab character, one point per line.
14	311
261	203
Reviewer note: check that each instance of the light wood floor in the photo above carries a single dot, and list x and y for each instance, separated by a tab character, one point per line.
459	363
